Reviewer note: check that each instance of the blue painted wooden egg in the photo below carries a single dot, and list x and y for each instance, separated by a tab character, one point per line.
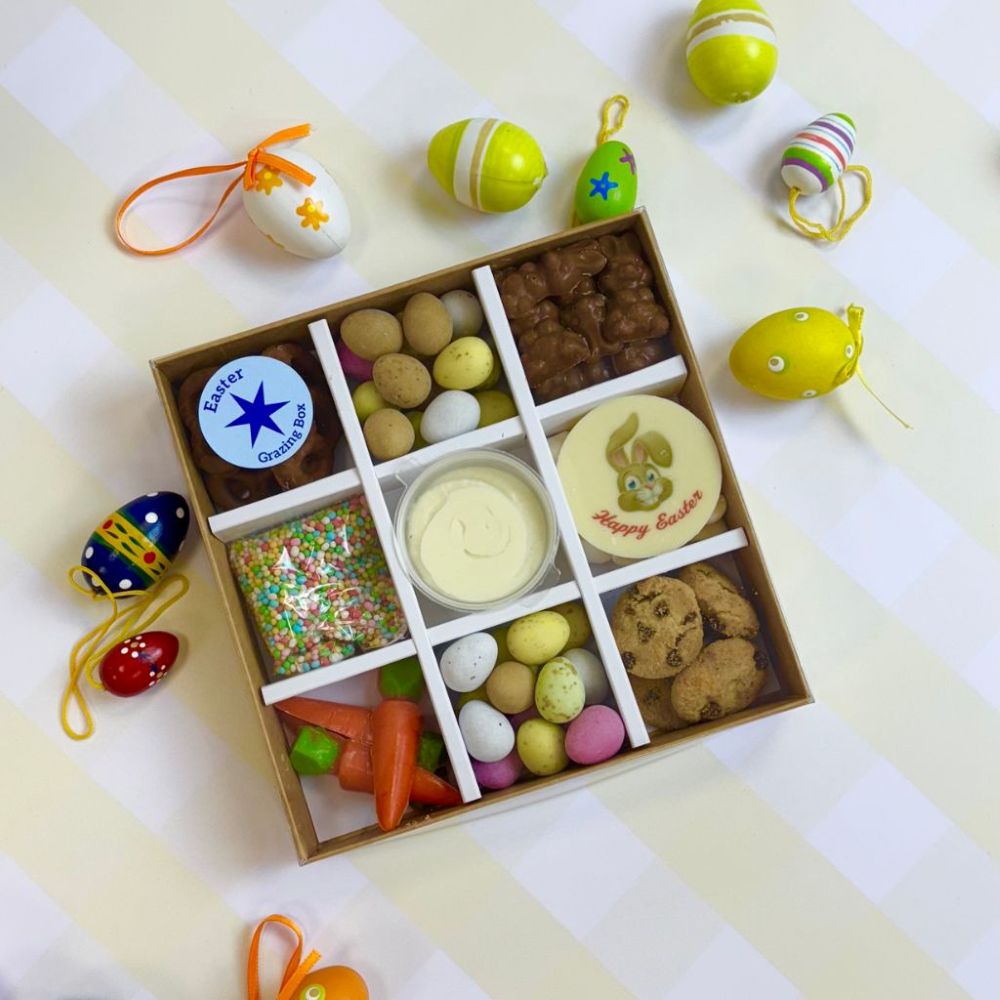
134	546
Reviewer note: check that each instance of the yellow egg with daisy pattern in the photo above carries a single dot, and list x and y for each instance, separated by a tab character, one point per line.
308	221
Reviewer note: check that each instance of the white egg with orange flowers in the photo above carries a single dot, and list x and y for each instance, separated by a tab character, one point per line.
309	221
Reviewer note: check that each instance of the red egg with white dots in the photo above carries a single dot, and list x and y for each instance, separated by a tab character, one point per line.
138	663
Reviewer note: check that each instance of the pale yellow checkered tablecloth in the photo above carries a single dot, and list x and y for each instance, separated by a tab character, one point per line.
848	850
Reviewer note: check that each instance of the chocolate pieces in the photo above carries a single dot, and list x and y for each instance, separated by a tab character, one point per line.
583	314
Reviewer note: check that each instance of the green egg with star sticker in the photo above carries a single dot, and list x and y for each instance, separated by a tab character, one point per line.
607	184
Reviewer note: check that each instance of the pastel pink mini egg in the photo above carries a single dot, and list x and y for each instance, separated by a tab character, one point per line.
500	774
354	367
596	734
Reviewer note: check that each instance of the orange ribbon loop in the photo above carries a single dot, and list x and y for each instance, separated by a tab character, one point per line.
258	155
295	971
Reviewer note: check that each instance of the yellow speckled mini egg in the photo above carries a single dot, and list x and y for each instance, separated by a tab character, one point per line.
732	50
541	745
309	221
559	691
579	623
464	364
538	637
487	164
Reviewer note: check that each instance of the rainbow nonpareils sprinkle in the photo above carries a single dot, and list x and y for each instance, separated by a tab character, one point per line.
318	588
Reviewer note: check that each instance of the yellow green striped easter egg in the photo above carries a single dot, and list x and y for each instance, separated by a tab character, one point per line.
488	164
732	50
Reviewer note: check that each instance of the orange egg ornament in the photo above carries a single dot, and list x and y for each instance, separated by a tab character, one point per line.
336	982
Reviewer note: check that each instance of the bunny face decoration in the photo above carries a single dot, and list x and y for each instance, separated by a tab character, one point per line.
640	483
641	474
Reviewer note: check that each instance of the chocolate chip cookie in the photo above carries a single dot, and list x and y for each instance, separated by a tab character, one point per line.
657	626
655	706
724	609
726	677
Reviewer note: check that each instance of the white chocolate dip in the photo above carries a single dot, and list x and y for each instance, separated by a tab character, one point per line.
477	533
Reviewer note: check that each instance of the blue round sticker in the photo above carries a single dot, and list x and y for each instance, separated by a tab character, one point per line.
255	412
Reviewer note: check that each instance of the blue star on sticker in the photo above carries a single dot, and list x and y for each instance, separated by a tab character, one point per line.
602	185
257	414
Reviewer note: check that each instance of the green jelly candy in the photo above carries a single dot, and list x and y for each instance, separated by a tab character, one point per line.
429	751
402	679
314	751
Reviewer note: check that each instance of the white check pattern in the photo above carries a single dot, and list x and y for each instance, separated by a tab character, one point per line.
846	850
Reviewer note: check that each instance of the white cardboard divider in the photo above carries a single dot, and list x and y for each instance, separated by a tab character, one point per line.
288	687
665	378
480	621
460	762
484	437
662	379
707	548
271	511
496	318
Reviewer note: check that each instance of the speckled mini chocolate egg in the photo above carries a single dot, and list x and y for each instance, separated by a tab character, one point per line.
487	733
427	324
388	434
467	662
134	546
465	311
511	687
448	415
537	637
401	380
559	691
541	745
592	673
370	333
465	363
596	734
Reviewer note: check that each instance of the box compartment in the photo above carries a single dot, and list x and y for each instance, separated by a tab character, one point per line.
308	808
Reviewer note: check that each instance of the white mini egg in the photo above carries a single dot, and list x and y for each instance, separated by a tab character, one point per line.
591	671
309	221
452	413
465	311
468	661
488	734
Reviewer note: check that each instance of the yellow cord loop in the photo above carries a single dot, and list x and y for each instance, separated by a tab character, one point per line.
607	128
87	653
815	230
881	402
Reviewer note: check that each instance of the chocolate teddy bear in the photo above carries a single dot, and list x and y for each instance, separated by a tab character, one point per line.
583	314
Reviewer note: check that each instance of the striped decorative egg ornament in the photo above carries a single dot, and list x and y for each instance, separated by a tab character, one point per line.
732	50
487	164
816	161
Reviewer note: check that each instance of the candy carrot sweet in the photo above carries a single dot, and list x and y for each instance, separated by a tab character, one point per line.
317	752
349	721
395	737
